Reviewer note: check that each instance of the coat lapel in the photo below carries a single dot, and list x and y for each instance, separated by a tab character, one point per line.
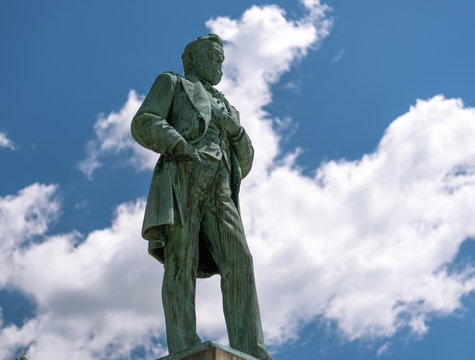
198	97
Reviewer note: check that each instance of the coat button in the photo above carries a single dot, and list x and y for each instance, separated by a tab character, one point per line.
218	153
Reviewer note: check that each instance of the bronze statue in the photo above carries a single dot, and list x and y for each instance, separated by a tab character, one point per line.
192	219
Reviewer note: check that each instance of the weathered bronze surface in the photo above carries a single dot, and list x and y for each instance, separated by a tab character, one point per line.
192	219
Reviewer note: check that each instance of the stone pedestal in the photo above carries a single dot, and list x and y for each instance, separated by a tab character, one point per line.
209	350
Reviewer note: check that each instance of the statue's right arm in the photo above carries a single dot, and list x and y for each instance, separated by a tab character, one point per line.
149	126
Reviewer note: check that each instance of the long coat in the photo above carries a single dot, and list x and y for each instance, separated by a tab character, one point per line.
178	108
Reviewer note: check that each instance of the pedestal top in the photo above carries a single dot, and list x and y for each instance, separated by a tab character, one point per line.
209	350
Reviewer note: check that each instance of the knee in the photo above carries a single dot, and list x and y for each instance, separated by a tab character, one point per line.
238	263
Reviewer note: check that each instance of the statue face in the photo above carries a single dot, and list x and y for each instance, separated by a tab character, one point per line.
209	61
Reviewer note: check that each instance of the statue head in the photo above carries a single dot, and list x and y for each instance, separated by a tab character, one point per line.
204	57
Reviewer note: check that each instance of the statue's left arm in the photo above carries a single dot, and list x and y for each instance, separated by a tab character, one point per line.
240	141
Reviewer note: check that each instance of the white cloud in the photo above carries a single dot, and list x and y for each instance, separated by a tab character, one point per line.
5	142
338	56
97	297
113	137
22	217
260	47
365	244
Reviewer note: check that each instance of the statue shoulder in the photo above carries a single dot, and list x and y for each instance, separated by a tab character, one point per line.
169	78
171	74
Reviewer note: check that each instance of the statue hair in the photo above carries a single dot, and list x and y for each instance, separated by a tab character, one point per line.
194	46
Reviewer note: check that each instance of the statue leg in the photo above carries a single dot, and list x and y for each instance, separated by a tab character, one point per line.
181	263
224	230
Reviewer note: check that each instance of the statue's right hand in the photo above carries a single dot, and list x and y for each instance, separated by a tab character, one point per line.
185	151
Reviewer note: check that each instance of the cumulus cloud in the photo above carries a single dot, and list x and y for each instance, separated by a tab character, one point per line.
365	245
5	142
96	297
22	217
259	48
113	137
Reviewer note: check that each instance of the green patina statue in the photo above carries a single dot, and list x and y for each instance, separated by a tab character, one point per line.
192	219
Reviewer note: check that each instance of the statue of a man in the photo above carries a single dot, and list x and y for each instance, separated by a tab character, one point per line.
192	219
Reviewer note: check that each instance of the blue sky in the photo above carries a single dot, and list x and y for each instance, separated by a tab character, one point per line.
357	210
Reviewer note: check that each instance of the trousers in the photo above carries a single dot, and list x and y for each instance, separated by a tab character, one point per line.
208	208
